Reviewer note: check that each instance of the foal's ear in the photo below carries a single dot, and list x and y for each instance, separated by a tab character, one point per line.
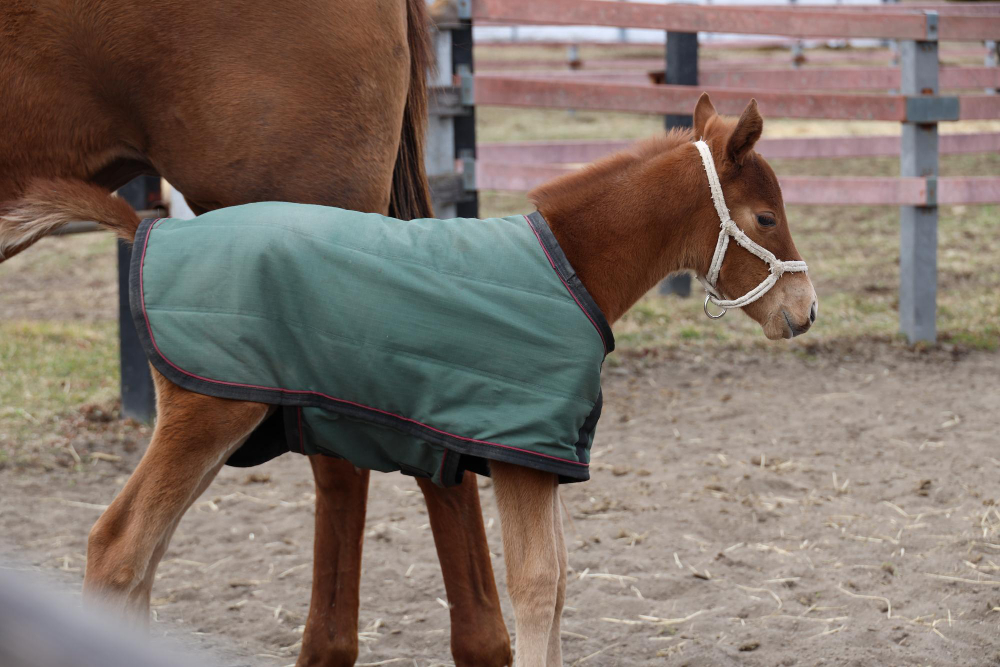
704	111
746	133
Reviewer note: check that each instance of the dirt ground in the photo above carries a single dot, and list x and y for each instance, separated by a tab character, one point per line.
831	507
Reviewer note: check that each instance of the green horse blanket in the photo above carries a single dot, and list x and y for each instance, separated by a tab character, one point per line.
426	346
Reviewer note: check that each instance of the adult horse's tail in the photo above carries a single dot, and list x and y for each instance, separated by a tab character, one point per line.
48	204
410	197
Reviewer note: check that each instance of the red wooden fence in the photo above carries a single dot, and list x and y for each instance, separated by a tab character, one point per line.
841	22
892	191
497	90
579	152
772	78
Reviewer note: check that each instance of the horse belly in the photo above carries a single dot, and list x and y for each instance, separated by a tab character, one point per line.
284	102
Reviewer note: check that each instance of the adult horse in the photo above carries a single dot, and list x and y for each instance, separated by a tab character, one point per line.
313	102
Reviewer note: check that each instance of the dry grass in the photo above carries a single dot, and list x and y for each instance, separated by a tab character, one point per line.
852	251
46	370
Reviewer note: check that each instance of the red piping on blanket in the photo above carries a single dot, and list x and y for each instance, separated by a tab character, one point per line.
142	293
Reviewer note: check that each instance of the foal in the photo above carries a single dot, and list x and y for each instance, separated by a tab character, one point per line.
623	224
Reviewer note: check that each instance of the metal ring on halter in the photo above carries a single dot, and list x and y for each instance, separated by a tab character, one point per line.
708	297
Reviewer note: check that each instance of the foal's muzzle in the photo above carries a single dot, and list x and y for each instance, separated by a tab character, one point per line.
799	328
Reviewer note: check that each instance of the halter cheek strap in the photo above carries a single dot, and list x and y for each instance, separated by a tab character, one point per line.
731	229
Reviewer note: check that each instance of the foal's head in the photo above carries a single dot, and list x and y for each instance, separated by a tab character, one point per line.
631	218
755	204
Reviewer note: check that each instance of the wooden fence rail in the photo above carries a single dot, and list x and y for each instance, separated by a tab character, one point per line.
942	8
775	78
496	90
576	151
818	190
979	107
643	65
762	20
843	78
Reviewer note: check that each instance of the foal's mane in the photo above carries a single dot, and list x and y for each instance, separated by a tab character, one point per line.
567	191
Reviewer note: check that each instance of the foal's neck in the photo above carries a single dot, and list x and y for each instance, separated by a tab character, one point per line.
625	222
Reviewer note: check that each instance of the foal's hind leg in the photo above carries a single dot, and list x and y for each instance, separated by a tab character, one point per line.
525	499
194	436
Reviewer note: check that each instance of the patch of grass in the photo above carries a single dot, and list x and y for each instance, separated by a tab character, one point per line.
987	339
973	164
690	333
74	253
62	278
646	313
48	368
516	124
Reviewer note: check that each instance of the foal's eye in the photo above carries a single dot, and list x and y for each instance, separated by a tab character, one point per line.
766	221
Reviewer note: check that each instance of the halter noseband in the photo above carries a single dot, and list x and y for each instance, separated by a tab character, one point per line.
730	228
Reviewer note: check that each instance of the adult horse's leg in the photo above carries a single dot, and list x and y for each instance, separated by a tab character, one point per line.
194	436
525	498
478	634
331	635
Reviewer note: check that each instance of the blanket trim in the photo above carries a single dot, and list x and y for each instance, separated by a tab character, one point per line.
567	274
567	470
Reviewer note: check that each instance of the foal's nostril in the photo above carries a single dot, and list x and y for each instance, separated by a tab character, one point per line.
812	311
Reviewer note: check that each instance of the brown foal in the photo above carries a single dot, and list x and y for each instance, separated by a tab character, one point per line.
321	103
624	223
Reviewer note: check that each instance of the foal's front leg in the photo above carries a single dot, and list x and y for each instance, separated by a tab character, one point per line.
526	499
555	636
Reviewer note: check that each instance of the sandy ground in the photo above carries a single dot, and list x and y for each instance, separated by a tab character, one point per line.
827	508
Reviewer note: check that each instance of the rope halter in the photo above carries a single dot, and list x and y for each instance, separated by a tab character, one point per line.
730	228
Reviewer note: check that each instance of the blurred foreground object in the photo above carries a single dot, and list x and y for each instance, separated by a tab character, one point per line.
41	628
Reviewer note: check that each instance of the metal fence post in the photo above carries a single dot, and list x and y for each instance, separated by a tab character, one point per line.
918	224
451	132
992	59
439	158
798	48
465	124
138	396
681	69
